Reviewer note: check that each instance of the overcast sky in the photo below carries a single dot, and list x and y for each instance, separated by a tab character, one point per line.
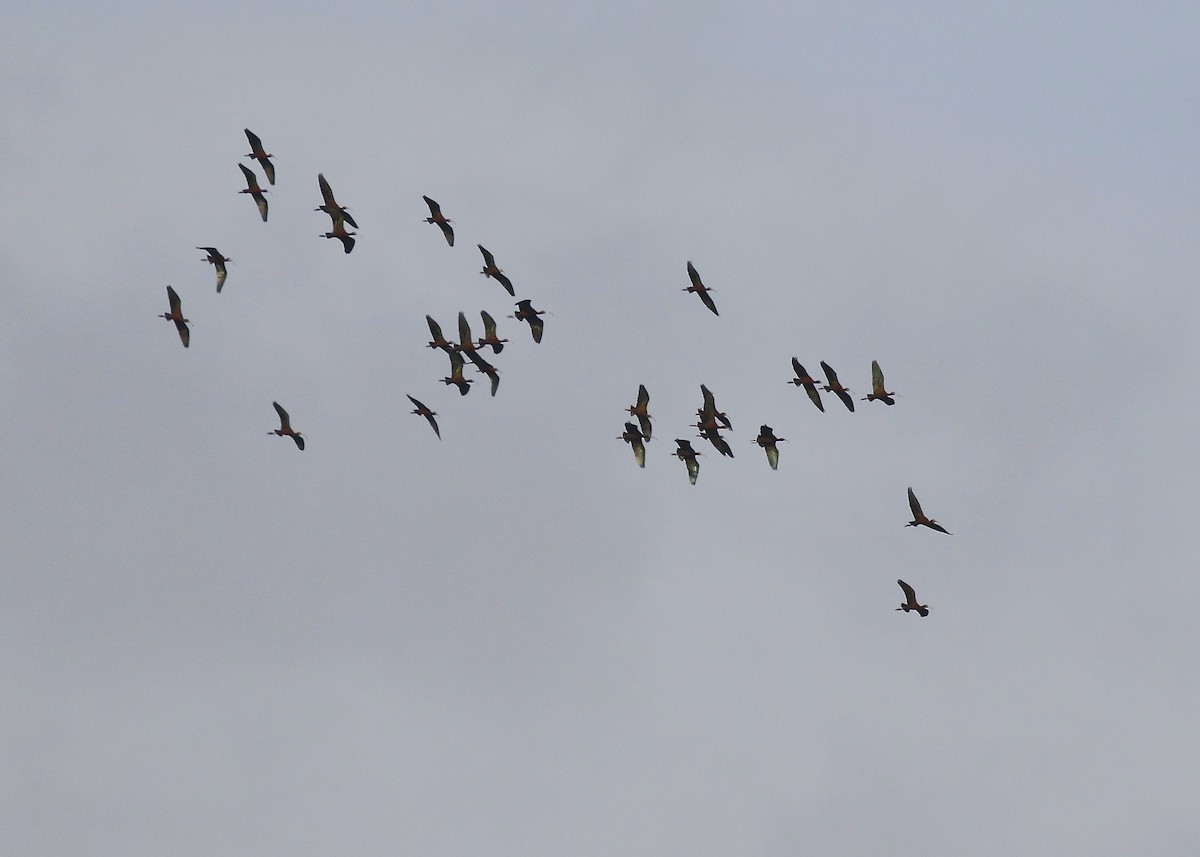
513	641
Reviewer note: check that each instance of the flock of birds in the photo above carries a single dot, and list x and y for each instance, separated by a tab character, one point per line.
711	421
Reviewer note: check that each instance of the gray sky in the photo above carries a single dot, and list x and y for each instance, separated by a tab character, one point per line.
514	642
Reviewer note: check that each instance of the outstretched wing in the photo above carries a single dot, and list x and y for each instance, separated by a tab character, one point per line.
934	525
251	178
536	326
488	260
256	145
185	335
815	395
846	398
643	399
503	280
708	302
464	333
695	278
285	423
327	192
176	304
915	506
435	210
877	387
773	456
448	231
261	202
831	377
910	595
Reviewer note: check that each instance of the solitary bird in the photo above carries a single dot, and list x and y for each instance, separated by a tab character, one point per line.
700	289
438	340
767	440
176	315
330	206
910	600
260	154
686	454
254	190
489	333
640	411
490	270
339	232
436	216
218	261
423	411
526	312
919	518
285	426
456	374
486	368
834	386
634	437
809	383
877	389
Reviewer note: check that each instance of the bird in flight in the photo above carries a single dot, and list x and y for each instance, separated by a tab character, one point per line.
456	374
809	383
490	270
255	191
423	411
176	315
285	426
878	392
260	154
700	289
634	437
438	341
919	518
436	216
330	206
486	368
687	455
910	600
339	232
526	312
767	440
217	261
834	386
489	333
640	411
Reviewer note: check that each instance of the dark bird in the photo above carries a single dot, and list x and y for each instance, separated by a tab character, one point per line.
919	518
877	388
686	454
330	206
436	216
809	383
438	340
486	368
490	270
835	387
176	315
700	289
489	333
634	437
910	600
709	415
767	440
640	411
466	342
254	190
456	374
719	443
423	411
260	154
285	426
218	261
339	232
526	312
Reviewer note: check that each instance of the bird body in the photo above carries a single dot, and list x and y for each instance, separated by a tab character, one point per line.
260	154
878	391
640	410
217	261
486	368
489	333
809	383
919	519
438	341
456	374
330	205
634	437
436	216
491	271
700	289
429	415
339	232
526	312
767	440
285	426
834	386
254	190
176	315
910	600
687	455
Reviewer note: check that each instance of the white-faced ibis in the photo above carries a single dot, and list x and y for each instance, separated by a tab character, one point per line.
456	374
877	389
834	386
526	312
436	216
700	289
176	315
910	600
466	342
423	411
217	261
919	518
634	437
438	340
486	368
686	454
339	232
254	190
330	206
260	154
490	270
640	411
489	333
809	383
285	426
767	440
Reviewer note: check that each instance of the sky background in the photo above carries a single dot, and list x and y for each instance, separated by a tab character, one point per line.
514	641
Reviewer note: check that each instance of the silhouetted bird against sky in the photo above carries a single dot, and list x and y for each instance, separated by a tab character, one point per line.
834	386
486	368
456	374
526	312
423	411
640	411
285	426
809	383
700	289
254	190
490	270
436	216
489	333
217	261
919	518
634	437
687	455
339	232
910	600
260	154
767	440
438	340
877	389
176	315
330	205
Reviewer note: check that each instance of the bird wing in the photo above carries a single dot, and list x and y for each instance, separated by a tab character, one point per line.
536	326
433	422
418	403
877	380
934	525
915	506
644	424
347	241
643	399
327	192
435	210
255	143
435	329
815	395
261	202
212	251
503	280
299	441
488	259
710	404
910	595
221	274
830	376
489	324
798	369
185	335
693	468
708	302
448	231
481	364
251	178
494	376
285	422
773	456
173	298
846	398
685	447
456	363
639	450
695	278
464	333
269	169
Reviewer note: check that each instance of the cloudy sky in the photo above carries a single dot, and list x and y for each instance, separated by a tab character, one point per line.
513	641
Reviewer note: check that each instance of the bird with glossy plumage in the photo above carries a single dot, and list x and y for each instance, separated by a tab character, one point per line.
438	341
767	440
910	600
254	190
489	333
486	368
285	426
634	437
456	374
176	315
833	385
809	383
339	232
919	518
218	261
700	289
641	411
878	391
685	453
330	206
436	216
526	312
492	272
260	154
